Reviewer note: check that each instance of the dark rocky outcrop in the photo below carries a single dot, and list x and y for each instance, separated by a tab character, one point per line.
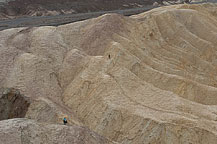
12	104
19	8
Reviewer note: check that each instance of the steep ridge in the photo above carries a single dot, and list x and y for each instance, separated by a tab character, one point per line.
148	78
143	85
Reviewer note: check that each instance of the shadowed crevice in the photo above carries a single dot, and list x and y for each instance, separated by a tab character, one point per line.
12	104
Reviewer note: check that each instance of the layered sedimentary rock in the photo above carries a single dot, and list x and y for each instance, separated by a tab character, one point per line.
148	78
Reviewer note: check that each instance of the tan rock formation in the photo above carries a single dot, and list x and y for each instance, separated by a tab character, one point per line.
148	78
23	131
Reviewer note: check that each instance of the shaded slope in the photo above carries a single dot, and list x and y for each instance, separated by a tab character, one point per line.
12	104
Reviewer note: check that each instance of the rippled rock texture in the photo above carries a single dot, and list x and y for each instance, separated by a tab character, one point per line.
148	78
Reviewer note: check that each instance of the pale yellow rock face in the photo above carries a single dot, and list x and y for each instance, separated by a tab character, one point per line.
148	78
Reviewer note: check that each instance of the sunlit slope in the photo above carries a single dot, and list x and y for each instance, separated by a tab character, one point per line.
159	81
148	78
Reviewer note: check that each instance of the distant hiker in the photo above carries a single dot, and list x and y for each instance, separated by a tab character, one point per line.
64	121
187	1
109	56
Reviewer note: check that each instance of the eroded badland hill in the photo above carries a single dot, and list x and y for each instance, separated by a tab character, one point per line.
148	78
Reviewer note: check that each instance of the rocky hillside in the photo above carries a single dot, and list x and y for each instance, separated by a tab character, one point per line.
148	78
24	131
17	8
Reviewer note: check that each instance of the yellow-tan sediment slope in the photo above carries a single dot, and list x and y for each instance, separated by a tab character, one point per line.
158	86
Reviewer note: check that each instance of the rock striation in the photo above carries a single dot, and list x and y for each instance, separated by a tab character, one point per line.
148	78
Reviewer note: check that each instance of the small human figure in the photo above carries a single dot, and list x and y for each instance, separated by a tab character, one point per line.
109	56
64	121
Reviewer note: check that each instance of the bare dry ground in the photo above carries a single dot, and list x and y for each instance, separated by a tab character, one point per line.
147	78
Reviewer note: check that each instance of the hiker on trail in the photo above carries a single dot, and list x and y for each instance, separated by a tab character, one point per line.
64	121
